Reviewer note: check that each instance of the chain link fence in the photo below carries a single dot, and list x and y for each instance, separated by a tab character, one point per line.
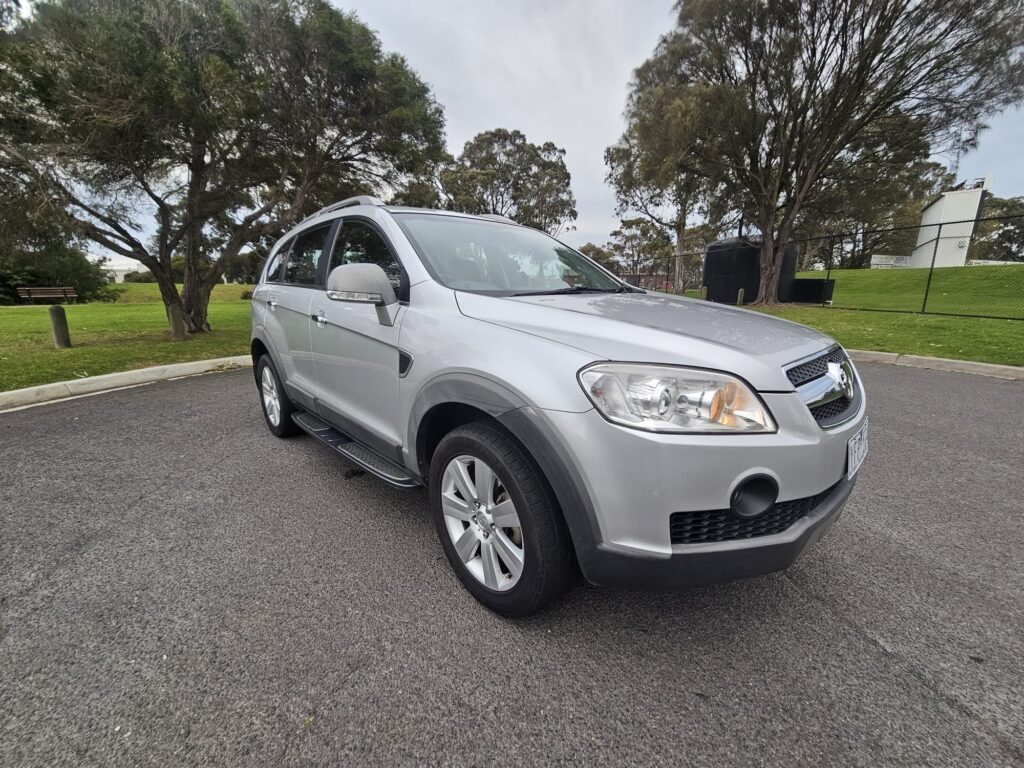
682	274
969	268
973	268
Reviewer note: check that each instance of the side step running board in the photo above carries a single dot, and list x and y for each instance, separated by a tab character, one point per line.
388	471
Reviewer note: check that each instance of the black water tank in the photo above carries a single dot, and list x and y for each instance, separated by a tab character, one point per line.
729	265
811	290
734	263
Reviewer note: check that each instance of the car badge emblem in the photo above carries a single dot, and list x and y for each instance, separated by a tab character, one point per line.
841	374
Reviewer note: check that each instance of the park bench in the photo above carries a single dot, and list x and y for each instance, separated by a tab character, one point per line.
67	294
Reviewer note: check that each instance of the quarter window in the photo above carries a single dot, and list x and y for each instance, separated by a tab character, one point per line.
304	256
359	243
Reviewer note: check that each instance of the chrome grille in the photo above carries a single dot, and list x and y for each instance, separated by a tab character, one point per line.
812	369
829	403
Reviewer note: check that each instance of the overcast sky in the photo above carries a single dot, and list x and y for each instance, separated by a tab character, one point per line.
559	71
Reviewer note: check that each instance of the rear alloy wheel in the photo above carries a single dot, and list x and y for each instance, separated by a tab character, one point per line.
277	408
498	521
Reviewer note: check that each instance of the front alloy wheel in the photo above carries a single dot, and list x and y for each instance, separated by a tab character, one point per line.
499	521
482	522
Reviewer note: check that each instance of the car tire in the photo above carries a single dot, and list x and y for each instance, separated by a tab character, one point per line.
518	492
277	408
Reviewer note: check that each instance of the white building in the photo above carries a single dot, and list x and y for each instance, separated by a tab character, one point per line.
116	274
947	227
945	233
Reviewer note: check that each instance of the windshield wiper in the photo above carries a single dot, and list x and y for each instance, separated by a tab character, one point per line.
573	289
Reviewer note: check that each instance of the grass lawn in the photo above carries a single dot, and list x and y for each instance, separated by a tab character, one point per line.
961	338
132	333
994	290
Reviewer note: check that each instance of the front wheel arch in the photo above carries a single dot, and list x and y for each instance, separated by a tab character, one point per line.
447	402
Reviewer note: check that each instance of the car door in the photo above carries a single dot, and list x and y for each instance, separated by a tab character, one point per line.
291	310
266	299
356	357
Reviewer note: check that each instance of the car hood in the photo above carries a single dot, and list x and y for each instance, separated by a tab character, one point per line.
658	328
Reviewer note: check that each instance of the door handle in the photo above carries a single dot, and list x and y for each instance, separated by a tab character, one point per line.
320	319
271	303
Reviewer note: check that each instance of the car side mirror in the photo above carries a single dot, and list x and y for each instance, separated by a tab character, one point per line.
364	284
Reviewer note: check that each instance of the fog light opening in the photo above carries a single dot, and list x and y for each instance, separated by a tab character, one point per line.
754	496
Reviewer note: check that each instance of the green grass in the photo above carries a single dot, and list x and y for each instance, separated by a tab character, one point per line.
147	293
131	333
962	338
995	290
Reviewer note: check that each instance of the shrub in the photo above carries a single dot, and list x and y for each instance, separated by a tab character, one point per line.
139	277
56	265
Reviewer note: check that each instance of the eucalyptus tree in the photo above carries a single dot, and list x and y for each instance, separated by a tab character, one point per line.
500	172
776	102
162	126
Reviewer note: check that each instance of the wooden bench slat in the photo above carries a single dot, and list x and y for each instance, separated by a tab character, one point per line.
50	292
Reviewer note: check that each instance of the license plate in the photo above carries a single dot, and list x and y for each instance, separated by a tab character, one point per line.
856	451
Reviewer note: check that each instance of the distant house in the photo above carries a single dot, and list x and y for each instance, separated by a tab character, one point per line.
116	274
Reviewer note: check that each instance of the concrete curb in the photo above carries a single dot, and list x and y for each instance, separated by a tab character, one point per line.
1010	372
90	385
19	398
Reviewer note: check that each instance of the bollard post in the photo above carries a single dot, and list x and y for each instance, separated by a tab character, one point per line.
59	326
703	293
739	297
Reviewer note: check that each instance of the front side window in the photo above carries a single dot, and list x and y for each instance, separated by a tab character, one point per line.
359	243
304	255
501	259
275	272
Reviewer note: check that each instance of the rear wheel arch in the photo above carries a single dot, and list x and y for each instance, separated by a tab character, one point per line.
257	349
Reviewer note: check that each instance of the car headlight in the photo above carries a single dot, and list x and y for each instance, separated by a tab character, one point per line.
669	399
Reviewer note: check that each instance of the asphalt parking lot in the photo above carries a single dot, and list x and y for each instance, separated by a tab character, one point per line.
179	587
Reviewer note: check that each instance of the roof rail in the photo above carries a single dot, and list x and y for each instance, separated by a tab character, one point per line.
497	217
346	203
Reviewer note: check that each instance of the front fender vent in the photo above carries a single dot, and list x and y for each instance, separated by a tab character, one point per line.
404	362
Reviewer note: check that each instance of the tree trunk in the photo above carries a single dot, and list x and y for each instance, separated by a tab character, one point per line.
679	273
172	303
199	284
196	304
773	245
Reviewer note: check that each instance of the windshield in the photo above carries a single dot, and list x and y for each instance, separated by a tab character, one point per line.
500	259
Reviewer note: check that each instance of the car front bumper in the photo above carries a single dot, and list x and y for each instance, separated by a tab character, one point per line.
608	565
618	488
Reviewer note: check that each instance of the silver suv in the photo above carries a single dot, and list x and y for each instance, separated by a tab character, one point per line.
560	419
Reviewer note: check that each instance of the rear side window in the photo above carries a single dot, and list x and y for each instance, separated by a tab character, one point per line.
301	261
359	243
